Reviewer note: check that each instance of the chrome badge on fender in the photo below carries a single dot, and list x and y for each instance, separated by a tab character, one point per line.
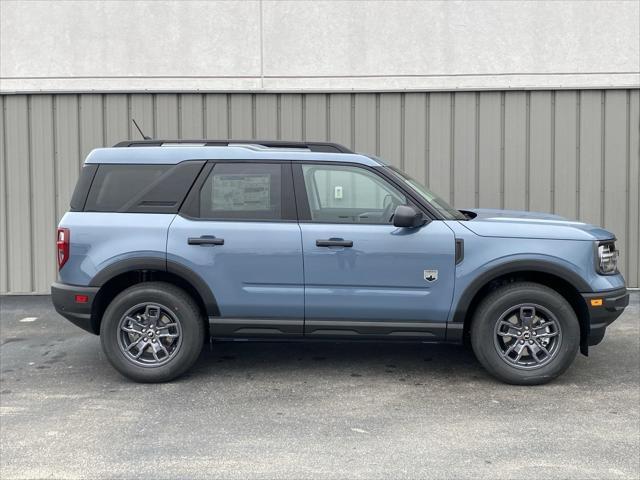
431	275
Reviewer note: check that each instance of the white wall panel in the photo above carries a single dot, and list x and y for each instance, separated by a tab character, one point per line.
267	45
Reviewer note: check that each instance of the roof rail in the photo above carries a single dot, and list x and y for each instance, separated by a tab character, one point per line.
313	146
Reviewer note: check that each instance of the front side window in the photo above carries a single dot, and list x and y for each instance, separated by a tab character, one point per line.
348	194
245	191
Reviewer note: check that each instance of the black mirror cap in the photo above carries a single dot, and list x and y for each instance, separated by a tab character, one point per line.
407	217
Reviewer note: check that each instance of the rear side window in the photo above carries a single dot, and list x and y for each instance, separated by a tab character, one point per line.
82	187
243	191
141	188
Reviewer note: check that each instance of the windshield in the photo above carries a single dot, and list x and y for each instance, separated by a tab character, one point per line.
447	211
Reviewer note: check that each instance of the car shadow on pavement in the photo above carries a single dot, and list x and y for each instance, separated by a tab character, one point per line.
404	361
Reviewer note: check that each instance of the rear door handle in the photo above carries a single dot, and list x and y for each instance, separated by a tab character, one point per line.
205	240
334	242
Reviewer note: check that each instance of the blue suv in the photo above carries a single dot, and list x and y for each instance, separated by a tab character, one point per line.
168	243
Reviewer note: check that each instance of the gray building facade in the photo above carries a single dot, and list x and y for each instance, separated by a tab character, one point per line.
540	128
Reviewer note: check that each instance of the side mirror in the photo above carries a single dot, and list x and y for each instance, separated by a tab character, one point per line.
406	217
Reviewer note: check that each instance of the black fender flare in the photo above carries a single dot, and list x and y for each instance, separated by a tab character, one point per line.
127	265
456	323
159	265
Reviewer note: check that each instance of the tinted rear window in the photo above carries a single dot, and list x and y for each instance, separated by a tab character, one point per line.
142	188
114	186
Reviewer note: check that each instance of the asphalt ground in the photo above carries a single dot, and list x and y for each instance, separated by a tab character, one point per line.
309	410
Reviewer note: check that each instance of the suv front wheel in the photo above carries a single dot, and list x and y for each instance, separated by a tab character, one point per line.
524	333
152	332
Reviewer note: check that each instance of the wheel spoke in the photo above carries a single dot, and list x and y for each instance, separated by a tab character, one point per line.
152	312
168	335
547	324
163	326
131	330
141	350
511	349
534	354
164	349
131	345
546	352
134	321
527	314
507	323
507	334
520	353
547	335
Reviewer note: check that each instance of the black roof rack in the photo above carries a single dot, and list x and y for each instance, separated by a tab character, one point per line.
313	146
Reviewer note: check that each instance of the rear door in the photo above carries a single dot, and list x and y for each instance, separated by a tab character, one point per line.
238	231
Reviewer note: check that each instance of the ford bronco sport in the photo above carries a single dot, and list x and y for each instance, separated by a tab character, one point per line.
168	243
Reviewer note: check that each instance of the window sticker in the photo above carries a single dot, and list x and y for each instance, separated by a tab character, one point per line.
241	192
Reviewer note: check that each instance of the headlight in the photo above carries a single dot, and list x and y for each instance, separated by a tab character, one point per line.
607	260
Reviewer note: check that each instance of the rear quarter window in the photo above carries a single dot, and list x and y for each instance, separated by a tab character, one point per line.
83	185
141	188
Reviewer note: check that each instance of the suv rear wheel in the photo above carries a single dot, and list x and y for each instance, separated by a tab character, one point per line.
525	333
152	332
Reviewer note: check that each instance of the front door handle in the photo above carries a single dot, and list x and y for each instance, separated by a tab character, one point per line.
334	242
205	240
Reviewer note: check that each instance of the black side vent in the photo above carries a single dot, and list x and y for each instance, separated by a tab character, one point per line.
459	250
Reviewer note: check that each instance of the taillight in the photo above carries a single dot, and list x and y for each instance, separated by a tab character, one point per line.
62	244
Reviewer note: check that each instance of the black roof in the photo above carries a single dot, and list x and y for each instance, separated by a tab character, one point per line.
313	146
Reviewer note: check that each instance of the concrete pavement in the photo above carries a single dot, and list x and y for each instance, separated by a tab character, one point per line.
321	410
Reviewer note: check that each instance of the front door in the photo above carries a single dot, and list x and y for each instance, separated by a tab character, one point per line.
241	236
363	276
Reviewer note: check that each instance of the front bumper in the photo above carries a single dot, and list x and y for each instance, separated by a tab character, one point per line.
602	314
63	297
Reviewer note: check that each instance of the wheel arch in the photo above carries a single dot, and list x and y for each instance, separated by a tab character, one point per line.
123	274
564	281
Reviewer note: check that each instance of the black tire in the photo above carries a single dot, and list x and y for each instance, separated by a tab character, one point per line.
183	311
490	347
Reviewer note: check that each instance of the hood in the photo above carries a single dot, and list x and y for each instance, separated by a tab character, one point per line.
520	224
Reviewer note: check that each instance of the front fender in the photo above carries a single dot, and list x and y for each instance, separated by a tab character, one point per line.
470	281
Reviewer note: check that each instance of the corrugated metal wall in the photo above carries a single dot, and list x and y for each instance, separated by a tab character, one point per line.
575	153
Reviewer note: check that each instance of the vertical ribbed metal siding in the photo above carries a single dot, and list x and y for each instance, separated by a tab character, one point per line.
576	153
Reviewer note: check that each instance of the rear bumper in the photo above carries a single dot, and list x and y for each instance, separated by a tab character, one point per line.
63	297
601	316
